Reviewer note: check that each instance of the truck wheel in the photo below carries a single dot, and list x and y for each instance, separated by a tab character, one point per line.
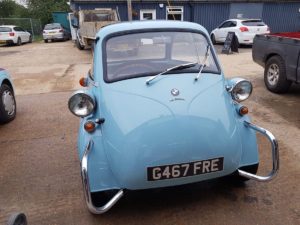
78	45
46	40
17	219
275	75
8	106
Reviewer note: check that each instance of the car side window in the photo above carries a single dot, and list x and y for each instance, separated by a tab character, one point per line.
226	24
232	24
17	29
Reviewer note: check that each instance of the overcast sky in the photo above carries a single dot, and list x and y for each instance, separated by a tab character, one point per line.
22	2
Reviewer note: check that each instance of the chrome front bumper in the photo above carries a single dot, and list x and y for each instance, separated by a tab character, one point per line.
119	194
275	155
86	186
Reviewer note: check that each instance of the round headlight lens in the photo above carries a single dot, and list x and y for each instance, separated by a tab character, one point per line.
81	104
241	90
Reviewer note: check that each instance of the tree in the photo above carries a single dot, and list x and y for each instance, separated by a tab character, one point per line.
9	8
42	9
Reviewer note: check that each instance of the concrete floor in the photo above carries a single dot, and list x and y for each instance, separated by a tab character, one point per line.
40	173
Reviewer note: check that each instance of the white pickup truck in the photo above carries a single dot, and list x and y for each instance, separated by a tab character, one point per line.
89	22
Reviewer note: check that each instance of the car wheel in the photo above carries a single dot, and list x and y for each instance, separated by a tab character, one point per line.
78	45
46	40
275	75
17	219
8	106
213	39
30	39
19	41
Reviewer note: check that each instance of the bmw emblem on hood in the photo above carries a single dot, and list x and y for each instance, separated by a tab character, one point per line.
175	92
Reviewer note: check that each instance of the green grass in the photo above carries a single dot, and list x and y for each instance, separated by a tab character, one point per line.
38	38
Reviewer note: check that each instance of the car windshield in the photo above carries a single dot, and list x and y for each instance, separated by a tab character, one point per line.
150	53
5	29
253	23
52	26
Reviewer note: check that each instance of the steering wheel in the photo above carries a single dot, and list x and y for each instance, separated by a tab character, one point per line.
134	68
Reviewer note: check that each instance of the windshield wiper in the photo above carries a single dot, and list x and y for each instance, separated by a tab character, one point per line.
203	63
178	67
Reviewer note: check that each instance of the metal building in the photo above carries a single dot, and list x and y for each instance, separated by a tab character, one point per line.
280	15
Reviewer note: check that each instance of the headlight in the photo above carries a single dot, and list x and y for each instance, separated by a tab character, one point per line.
81	104
241	90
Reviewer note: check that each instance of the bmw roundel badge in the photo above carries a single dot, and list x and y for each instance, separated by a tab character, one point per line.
175	92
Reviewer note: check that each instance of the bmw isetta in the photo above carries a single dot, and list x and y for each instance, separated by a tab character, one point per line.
8	107
158	112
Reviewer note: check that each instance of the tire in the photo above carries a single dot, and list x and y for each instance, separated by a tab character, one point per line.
19	41
78	45
17	219
46	40
275	75
30	39
213	39
8	107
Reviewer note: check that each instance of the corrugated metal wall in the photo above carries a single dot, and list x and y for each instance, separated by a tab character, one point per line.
246	10
282	17
210	15
160	12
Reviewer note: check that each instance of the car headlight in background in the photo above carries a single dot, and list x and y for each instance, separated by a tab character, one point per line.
81	104
240	89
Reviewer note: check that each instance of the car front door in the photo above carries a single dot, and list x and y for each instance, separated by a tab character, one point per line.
223	30
19	33
25	35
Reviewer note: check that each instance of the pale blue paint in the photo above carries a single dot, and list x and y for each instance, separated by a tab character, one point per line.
4	76
143	128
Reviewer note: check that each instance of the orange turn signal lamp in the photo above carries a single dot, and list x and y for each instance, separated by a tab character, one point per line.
90	126
83	82
243	110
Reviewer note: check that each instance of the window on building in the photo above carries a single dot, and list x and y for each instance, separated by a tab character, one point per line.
175	13
147	14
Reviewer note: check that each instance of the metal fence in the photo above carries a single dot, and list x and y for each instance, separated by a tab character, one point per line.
33	26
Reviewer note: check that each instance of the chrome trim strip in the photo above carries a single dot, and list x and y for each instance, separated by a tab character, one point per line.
275	155
86	186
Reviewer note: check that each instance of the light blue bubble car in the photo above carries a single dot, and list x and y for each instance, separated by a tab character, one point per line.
8	106
158	112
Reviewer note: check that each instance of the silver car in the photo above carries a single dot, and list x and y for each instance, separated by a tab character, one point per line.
55	32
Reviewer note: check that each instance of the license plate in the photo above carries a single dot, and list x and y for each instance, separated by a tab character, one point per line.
185	169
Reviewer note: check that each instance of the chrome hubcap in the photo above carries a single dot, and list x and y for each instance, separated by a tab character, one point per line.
8	102
273	74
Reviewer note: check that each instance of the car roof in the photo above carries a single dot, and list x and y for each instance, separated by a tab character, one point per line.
246	19
148	25
9	26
